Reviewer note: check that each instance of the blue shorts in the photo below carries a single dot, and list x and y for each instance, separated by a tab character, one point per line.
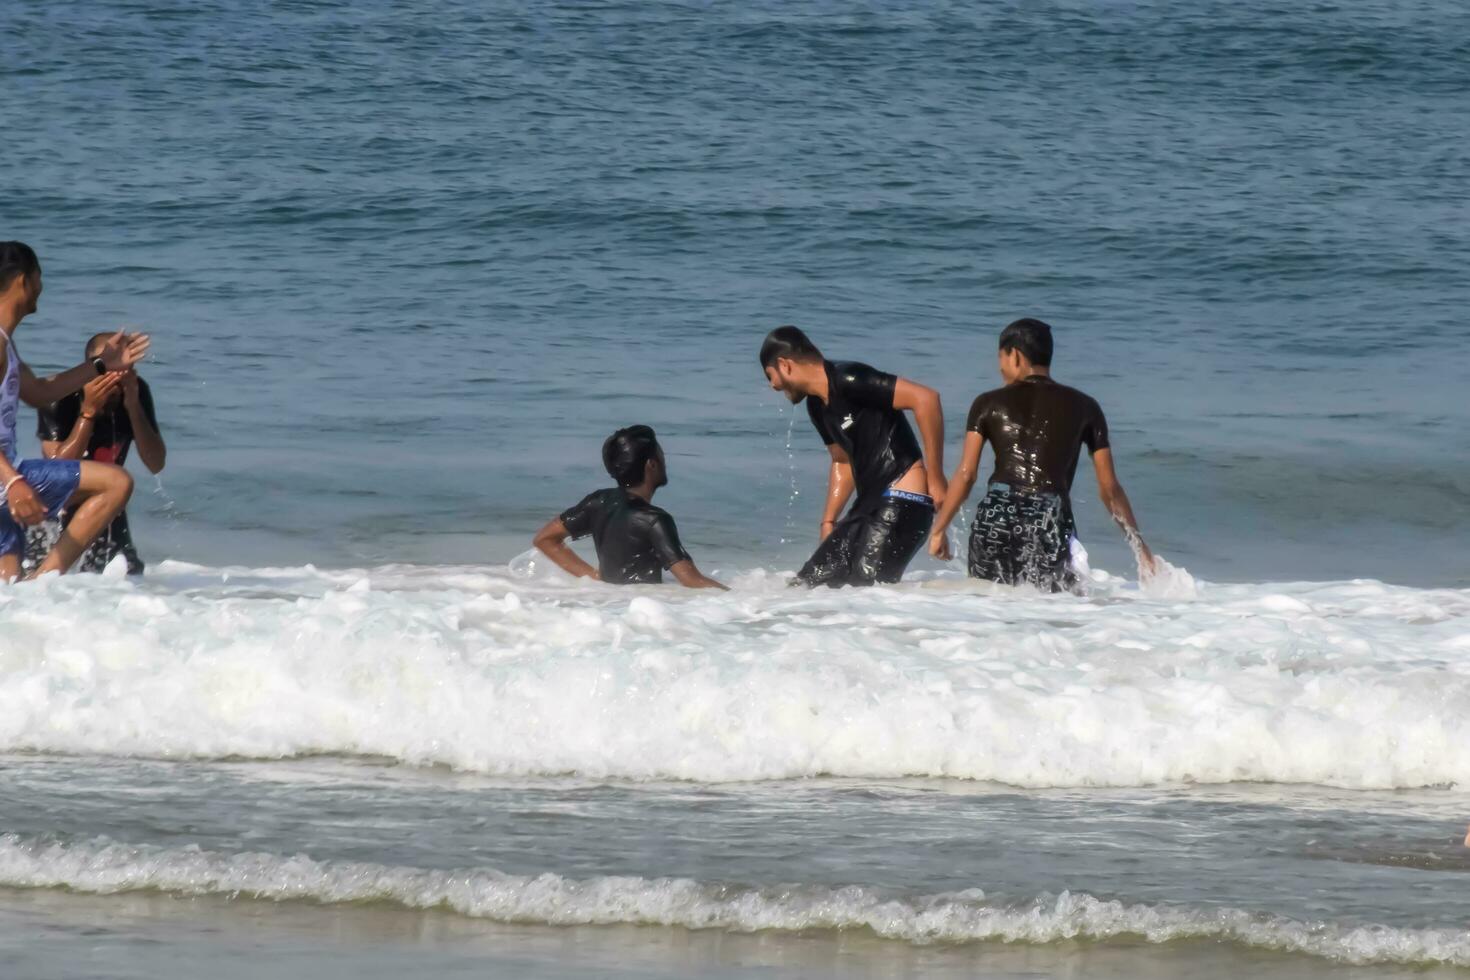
54	481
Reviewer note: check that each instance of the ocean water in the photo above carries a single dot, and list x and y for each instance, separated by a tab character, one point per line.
406	265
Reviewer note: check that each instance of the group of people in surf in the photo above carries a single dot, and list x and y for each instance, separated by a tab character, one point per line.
886	489
1023	533
68	505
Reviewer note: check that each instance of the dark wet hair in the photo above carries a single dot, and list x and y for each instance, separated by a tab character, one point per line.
1031	337
788	342
16	259
626	454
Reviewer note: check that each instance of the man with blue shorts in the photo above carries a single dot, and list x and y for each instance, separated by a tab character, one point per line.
32	490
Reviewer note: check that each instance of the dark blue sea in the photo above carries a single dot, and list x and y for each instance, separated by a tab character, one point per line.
406	265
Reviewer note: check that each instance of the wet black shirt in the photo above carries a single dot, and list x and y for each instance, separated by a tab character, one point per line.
1038	429
859	416
112	430
635	540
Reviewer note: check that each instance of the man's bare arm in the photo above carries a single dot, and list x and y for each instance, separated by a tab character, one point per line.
910	396
7	472
1115	499
551	540
839	488
95	394
19	498
960	485
692	578
75	444
40	392
120	352
151	449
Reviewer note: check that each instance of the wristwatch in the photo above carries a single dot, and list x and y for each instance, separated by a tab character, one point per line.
99	365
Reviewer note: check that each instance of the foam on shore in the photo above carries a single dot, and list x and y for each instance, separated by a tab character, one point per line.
106	867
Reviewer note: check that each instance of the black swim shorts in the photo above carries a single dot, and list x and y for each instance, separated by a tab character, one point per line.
1023	539
876	547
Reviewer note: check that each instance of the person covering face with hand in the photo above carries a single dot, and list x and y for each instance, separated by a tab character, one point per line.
110	415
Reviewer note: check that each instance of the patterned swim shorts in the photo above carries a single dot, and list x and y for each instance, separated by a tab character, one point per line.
1023	539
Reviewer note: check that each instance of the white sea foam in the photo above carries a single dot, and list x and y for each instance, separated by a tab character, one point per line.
106	867
1354	684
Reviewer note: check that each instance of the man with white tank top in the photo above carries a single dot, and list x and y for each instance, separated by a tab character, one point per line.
33	489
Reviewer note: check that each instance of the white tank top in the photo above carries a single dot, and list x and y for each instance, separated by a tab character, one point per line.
9	398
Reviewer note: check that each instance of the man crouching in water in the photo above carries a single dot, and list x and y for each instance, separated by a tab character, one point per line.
635	540
1023	530
858	412
32	490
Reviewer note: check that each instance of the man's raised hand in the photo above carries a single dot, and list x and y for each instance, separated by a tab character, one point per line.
122	350
95	393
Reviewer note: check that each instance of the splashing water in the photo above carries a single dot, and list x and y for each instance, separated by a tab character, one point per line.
788	531
1168	582
172	517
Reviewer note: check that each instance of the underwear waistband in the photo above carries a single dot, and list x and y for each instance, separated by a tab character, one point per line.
910	496
1007	489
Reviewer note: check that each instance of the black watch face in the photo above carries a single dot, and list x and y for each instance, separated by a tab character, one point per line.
99	365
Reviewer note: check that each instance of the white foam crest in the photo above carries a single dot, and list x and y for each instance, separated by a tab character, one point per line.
1354	684
105	867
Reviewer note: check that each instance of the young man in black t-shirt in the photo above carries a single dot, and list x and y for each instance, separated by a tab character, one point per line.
858	412
1023	529
101	422
636	542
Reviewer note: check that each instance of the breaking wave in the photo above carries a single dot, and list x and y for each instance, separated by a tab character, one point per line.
1350	684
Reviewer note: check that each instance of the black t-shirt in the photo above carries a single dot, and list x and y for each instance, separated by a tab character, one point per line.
635	540
859	416
1038	429
112	430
